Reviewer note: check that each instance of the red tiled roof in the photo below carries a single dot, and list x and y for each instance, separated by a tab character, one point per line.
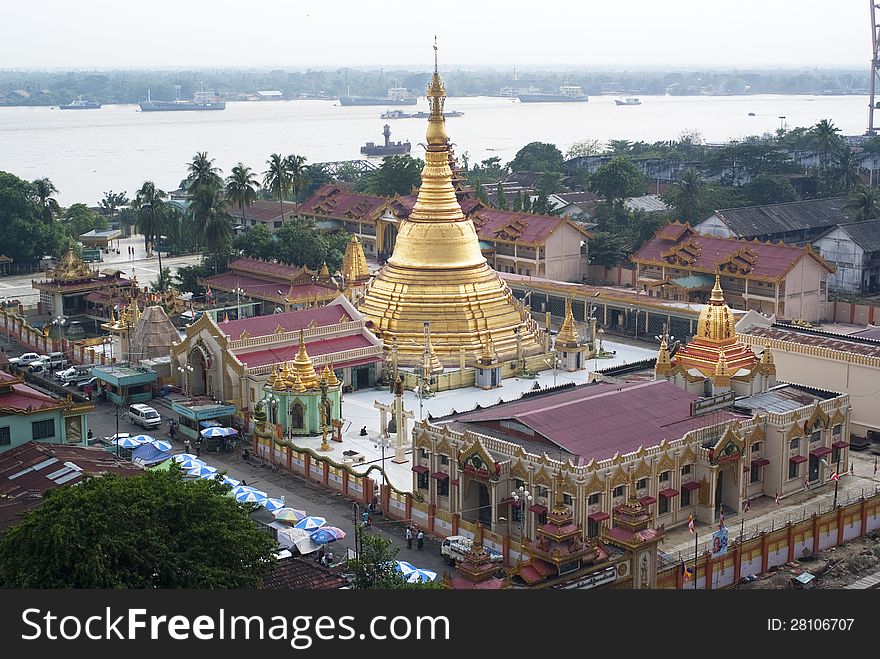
22	397
707	253
664	413
262	210
832	342
273	269
300	574
315	348
332	201
264	288
38	467
291	321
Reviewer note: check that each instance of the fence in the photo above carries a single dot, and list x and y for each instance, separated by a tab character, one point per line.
757	549
854	314
16	327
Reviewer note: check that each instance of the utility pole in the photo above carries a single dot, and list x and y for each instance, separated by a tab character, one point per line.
875	66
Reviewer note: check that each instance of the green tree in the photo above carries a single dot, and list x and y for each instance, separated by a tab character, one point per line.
300	243
864	203
607	248
241	188
619	147
152	214
113	201
844	173
375	567
314	177
397	175
537	157
26	237
80	219
826	137
49	207
688	196
518	202
277	180
256	243
211	221
480	193
765	189
583	149
500	201
162	281
296	167
153	530
201	173
618	179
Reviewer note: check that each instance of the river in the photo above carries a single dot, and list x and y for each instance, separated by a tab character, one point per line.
87	152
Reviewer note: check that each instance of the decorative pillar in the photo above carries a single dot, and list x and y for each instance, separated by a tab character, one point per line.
789	538
764	555
307	465
708	571
840	525
815	533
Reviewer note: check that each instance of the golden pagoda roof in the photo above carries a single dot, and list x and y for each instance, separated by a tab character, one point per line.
437	272
71	267
567	337
297	385
324	274
272	380
303	366
354	263
328	375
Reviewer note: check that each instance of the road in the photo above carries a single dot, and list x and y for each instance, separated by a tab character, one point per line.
18	287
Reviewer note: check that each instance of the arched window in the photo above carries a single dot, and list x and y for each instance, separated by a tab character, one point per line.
297	415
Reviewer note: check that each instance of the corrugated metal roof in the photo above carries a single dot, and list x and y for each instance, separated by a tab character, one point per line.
753	221
864	234
693	281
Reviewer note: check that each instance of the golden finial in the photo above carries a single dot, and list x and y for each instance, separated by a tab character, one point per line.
298	385
717	293
325	272
558	496
767	356
273	377
330	376
436	134
303	364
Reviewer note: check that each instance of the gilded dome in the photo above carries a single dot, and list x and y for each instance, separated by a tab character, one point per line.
716	322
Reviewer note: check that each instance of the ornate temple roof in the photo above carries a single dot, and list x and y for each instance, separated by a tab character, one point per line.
354	263
71	268
303	366
154	334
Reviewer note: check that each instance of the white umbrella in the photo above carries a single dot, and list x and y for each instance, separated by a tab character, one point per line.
201	471
252	497
161	444
272	505
144	439
311	523
218	432
299	538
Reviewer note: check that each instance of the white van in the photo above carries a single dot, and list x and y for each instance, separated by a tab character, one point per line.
144	416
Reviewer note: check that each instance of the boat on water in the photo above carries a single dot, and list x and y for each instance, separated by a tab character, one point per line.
201	100
80	104
389	148
628	101
396	96
567	94
400	114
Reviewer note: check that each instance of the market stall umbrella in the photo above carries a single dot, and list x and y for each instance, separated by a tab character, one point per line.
227	480
126	442
290	515
238	489
161	444
185	457
413	574
327	534
299	538
145	439
188	461
254	496
202	471
310	523
214	431
272	505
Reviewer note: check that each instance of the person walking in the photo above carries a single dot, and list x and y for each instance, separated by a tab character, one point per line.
199	447
408	535
420	538
186	445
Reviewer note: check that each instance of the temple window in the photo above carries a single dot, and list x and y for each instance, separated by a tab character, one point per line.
837	431
425	454
756	447
685	498
297	416
541	491
567	499
753	477
618	491
662	505
423	481
593	499
686	470
792	469
795	444
642	484
443	488
816	436
444	460
664	477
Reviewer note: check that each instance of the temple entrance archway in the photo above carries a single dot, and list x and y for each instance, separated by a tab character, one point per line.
477	506
198	379
726	491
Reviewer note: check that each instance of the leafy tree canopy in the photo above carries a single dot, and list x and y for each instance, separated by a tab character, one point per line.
618	179
149	531
537	157
81	219
26	236
396	175
375	568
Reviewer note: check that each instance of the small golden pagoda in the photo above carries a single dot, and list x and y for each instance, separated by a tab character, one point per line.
354	262
302	365
438	274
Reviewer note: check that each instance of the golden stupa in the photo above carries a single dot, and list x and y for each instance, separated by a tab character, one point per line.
438	274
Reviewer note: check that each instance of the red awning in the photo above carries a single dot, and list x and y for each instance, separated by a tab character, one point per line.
669	493
419	469
455	481
745	467
798	458
440	475
760	462
819	452
538	509
599	517
647	500
840	444
690	487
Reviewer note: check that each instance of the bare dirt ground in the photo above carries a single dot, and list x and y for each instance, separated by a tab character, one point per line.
837	567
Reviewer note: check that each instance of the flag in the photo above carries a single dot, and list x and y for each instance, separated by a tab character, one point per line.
777	497
691	523
834	476
721	520
746	506
686	572
806	482
208	292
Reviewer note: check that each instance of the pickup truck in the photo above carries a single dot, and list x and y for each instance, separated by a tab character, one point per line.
455	547
26	359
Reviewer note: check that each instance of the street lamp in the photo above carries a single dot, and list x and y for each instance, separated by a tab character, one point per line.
59	322
382	443
555	364
522	498
238	293
590	317
837	474
185	372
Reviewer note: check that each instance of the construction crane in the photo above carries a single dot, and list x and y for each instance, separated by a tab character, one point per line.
875	65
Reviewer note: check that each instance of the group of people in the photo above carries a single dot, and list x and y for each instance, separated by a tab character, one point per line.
413	531
324	556
187	446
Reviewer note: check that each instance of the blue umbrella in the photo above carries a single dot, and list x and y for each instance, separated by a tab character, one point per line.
126	442
310	523
238	489
253	496
184	457
412	574
231	482
218	432
144	439
201	471
327	534
161	444
273	504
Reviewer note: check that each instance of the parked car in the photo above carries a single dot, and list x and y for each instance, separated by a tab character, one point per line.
455	547
26	359
144	416
82	384
39	366
56	360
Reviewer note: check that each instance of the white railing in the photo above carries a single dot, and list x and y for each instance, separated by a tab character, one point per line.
333	358
293	336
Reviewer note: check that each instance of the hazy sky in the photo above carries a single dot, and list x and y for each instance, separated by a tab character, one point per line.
305	33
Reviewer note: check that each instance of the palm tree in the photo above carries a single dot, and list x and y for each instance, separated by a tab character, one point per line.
210	220
825	137
296	168
276	179
686	196
113	200
241	188
151	209
48	205
845	169
201	172
865	203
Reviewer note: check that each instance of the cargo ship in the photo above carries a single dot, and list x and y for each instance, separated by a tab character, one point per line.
567	94
396	96
201	101
389	148
80	104
628	101
400	114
